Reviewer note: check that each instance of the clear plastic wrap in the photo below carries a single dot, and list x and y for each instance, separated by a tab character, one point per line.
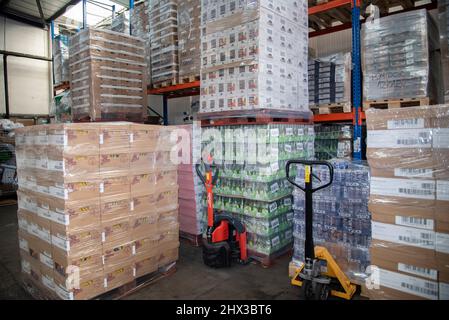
80	214
120	23
409	200
108	76
163	20
60	46
333	141
189	38
252	56
341	221
140	27
255	189
443	17
399	57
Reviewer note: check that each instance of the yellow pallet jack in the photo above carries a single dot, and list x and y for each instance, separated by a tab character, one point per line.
319	276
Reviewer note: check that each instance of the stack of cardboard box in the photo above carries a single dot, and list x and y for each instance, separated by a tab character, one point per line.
189	39
408	152
443	17
107	76
97	205
140	27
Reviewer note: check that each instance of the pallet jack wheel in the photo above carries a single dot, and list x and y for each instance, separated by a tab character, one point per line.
321	291
307	290
217	255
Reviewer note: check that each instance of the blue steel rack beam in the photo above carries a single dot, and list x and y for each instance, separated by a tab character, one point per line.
356	80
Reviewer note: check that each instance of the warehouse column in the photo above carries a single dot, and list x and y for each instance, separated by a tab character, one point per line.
356	80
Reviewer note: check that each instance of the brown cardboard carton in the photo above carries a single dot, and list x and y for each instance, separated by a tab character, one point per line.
143	204
75	138
147	246
442	216
144	137
116	232
144	225
411	172
111	186
145	264
163	160
73	167
24	239
166	178
25	220
114	138
168	255
47	278
113	164
142	161
417	217
113	255
115	207
401	118
384	293
31	268
86	262
167	199
88	287
43	229
26	200
75	214
143	184
73	191
118	275
75	241
168	235
401	158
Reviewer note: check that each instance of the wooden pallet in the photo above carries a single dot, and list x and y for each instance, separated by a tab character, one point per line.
396	103
267	261
331	108
38	293
195	240
189	79
253	120
166	83
8	202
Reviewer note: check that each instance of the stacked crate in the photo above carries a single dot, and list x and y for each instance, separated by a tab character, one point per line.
408	153
97	206
341	221
253	186
108	76
189	39
330	80
333	141
443	17
400	58
163	21
120	23
140	28
61	59
254	56
191	188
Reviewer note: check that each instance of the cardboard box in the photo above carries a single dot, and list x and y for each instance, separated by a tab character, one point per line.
113	164
86	261
113	255
116	232
166	178
143	204
401	118
115	207
114	138
73	242
167	199
73	166
147	246
144	225
143	184
143	137
118	275
88	286
73	191
75	214
24	239
145	264
142	162
409	216
168	254
74	138
47	278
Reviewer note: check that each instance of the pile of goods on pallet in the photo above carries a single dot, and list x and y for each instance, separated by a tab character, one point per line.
61	107
120	23
400	57
253	56
163	22
341	220
330	82
140	26
443	15
61	70
408	152
108	76
98	206
8	167
190	186
252	184
189	40
333	141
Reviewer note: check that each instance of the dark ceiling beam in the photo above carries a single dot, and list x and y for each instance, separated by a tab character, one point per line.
41	13
4	3
21	17
61	11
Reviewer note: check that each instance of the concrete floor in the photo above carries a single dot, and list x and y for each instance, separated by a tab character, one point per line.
192	280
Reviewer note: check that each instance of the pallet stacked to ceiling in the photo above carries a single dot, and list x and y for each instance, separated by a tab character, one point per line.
401	61
254	100
443	17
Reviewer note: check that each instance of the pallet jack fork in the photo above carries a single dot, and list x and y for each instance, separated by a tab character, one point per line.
320	271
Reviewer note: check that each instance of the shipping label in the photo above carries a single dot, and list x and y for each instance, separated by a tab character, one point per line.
418	271
416	123
410	138
407	188
404	235
417	222
413	173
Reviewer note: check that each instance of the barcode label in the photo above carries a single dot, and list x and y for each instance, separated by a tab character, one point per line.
404	235
410	172
273	207
419	271
430	289
275	241
274	187
417	192
424	239
274	223
417	123
289	131
408	188
401	138
423	223
422	139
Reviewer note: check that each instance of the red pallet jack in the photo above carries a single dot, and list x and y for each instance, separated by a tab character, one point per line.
320	275
226	235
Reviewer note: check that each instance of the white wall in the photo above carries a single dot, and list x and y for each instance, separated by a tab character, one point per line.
176	108
29	81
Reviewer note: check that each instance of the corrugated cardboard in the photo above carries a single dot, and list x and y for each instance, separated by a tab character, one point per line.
118	275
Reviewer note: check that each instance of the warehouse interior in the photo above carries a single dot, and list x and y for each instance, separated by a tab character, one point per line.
224	149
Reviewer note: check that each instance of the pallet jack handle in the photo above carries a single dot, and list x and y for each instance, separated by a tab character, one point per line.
208	168
310	163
